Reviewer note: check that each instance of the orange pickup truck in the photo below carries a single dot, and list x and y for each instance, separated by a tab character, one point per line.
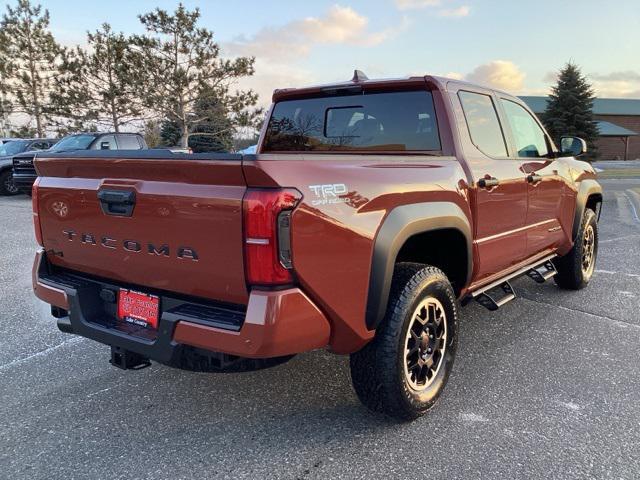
372	211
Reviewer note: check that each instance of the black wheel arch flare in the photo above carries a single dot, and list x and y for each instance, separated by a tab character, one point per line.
402	223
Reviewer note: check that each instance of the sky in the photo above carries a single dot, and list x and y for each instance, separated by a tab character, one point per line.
514	45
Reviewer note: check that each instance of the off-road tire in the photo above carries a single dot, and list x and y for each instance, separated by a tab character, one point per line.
6	179
378	370
571	272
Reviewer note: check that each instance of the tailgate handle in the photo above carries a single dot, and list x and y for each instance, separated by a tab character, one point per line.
117	202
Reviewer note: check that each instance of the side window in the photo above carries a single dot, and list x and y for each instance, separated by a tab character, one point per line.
108	142
527	134
483	123
128	142
37	146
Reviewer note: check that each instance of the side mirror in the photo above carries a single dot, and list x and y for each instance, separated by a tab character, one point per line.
105	146
572	146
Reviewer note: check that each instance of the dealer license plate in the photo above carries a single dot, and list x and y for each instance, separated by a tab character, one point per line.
138	308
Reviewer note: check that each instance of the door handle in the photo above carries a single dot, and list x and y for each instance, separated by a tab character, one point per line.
488	182
117	202
533	179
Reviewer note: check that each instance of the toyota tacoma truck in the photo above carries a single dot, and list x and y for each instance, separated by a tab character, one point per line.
371	212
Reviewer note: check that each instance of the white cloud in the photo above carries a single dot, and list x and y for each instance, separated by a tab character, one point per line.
278	49
625	76
340	25
624	84
462	11
416	4
500	74
270	76
451	12
454	75
620	84
616	89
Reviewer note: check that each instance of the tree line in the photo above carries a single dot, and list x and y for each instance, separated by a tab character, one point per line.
172	80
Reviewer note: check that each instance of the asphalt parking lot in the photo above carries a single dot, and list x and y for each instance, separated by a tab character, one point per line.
547	387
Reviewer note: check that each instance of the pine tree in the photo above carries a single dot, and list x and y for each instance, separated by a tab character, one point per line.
182	63
216	128
569	110
170	133
100	84
32	57
5	103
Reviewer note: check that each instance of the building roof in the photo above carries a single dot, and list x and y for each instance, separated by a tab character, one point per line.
601	106
607	129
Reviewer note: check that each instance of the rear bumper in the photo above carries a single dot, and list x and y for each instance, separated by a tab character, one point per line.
276	323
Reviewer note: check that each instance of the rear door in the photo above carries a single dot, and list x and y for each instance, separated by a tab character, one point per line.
547	195
157	221
499	195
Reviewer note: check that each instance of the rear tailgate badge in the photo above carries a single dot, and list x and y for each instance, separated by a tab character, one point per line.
132	246
60	208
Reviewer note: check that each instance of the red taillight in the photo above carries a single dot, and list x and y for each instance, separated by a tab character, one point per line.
267	214
36	211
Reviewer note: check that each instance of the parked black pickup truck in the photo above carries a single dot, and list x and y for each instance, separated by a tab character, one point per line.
24	173
11	147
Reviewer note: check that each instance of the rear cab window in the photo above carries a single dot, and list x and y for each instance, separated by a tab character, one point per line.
107	142
364	122
128	142
484	126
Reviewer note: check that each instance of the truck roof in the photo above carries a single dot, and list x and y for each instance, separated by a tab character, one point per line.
98	134
360	80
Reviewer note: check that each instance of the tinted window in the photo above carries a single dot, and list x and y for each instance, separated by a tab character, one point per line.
527	134
389	121
13	147
39	146
128	142
74	142
483	123
108	142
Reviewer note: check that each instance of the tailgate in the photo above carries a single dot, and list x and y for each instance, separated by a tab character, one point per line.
153	220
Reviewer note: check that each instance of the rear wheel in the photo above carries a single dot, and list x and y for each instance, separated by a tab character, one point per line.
575	269
7	187
404	369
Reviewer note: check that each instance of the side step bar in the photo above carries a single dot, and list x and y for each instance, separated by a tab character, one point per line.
490	302
500	292
548	271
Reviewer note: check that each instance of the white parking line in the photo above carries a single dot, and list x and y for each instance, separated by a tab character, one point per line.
99	391
611	272
633	207
42	353
618	238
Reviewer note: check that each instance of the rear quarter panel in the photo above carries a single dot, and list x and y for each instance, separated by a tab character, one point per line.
345	200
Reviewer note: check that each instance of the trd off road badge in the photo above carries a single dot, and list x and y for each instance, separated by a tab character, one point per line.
328	193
